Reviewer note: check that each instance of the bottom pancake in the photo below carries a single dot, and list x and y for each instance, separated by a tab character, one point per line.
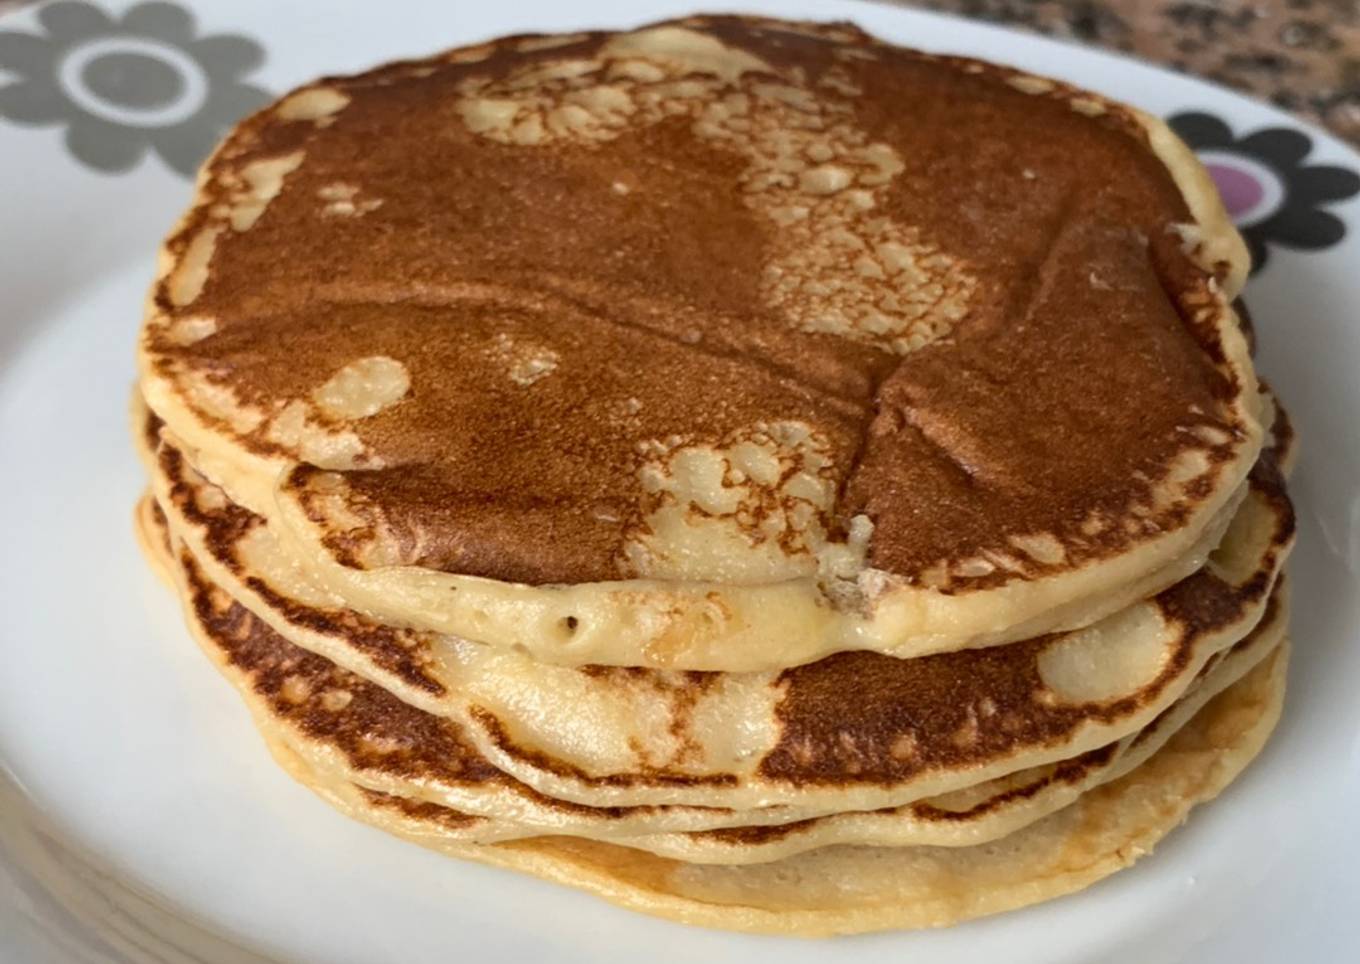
845	890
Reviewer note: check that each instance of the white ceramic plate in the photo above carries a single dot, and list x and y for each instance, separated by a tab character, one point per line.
143	819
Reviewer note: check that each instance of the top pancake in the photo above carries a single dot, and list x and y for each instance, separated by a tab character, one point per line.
723	344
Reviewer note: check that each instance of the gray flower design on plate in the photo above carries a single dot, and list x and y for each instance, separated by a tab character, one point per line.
123	85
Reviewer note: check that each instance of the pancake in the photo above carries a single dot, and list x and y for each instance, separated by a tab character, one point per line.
801	342
855	731
371	740
847	890
154	539
1284	439
983	813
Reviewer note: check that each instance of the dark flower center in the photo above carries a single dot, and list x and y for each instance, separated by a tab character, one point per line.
133	80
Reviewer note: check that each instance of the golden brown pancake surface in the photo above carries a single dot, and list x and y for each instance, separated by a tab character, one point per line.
560	302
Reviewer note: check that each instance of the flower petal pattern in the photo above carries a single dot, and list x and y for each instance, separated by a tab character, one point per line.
72	20
1305	228
25	53
126	86
1294	217
184	146
1325	183
104	146
227	57
32	102
165	21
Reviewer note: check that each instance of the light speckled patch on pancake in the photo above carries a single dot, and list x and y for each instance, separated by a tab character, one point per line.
846	890
854	731
341	725
805	343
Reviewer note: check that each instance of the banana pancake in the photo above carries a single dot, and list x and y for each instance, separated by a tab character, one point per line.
723	344
847	890
383	746
855	731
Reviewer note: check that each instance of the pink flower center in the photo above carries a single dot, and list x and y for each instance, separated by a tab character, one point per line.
1240	189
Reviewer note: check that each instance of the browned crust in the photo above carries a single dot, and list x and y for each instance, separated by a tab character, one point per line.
401	652
1020	422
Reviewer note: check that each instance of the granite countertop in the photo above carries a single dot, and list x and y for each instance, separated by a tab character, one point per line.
1302	55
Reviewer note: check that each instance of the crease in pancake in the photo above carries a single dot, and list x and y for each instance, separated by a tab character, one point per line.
857	731
750	239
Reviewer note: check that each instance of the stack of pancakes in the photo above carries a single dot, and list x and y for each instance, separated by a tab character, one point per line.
766	477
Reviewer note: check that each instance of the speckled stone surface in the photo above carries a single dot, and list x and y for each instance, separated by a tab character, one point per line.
1303	55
